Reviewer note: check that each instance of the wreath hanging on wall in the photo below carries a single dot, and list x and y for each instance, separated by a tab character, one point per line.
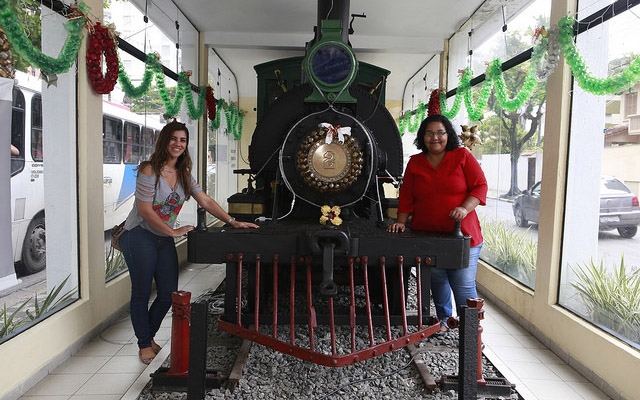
102	40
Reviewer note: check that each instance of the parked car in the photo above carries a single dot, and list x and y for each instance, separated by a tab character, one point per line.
619	207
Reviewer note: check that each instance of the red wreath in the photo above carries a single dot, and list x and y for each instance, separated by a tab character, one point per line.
102	41
211	103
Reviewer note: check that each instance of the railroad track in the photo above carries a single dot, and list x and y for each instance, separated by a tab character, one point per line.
240	369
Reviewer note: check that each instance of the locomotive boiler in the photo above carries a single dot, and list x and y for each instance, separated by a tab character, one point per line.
321	152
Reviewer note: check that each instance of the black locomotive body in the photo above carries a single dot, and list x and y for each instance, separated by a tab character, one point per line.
323	148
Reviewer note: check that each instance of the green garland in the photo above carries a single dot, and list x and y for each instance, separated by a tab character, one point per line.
139	91
215	124
476	112
455	108
195	113
411	121
233	118
22	45
153	68
543	50
494	72
600	86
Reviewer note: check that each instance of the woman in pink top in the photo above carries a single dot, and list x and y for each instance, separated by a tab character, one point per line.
441	185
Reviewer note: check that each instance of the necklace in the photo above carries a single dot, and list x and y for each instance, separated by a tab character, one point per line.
168	170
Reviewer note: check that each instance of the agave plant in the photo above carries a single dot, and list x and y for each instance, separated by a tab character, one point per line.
50	302
9	321
611	295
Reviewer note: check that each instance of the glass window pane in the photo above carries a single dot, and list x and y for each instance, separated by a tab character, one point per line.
43	242
601	249
141	118
511	149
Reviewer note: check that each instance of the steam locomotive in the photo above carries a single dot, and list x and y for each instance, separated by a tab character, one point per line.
323	148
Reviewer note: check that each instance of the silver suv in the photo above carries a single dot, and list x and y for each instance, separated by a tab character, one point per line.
619	207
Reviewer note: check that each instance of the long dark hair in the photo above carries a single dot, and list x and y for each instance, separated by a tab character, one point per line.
160	156
453	141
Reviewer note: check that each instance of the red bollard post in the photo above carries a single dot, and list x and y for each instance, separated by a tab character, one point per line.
180	333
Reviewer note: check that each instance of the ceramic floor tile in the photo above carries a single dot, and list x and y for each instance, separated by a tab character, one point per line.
95	397
529	342
99	347
492	328
130	349
500	340
551	390
57	385
547	356
509	354
116	384
82	365
527	371
588	391
124	365
121	333
566	373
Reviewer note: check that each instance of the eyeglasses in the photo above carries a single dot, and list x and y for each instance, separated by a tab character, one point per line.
438	133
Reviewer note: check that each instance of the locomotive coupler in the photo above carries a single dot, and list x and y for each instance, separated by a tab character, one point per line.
328	242
328	286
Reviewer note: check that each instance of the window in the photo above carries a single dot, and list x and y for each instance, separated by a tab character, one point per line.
132	123
36	127
42	196
17	131
511	149
600	257
111	140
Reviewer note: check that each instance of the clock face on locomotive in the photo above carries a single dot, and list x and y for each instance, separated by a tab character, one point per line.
326	155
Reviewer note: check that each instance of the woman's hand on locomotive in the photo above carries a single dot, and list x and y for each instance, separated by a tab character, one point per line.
458	213
396	227
183	230
242	225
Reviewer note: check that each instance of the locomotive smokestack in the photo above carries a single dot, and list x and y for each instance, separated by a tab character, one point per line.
334	9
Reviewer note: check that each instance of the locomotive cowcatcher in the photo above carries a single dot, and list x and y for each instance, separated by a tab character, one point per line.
321	155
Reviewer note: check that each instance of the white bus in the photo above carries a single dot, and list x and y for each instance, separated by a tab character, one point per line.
128	138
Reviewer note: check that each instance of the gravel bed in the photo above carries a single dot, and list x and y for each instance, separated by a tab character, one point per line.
269	374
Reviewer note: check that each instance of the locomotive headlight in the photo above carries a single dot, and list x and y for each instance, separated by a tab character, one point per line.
331	66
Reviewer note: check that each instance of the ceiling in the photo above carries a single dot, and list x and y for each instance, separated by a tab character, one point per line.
400	36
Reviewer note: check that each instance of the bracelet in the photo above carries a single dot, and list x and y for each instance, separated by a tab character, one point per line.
230	220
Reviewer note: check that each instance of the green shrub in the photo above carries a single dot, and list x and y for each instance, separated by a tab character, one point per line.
612	296
510	251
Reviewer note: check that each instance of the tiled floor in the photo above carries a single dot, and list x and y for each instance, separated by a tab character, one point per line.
108	367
